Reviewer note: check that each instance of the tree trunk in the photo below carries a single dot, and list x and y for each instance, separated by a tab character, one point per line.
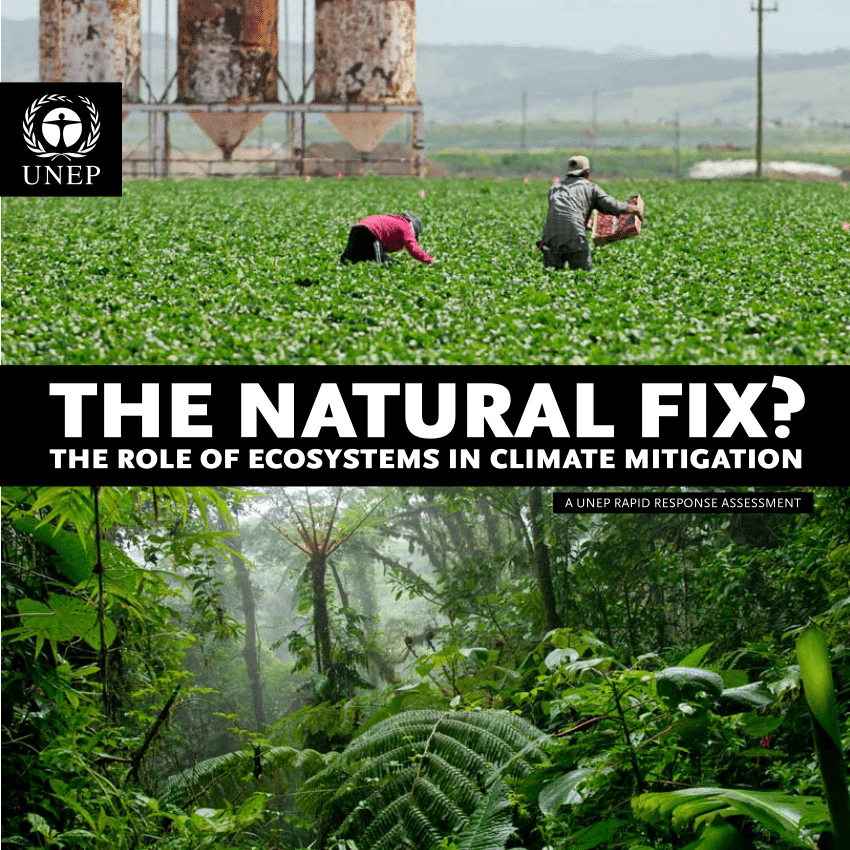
542	563
321	619
251	649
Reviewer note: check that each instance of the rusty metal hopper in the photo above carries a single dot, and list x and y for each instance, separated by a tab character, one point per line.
228	130
227	53
364	131
365	54
91	41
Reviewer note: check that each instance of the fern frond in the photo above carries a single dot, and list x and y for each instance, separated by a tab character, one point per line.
373	802
416	777
464	791
206	776
403	819
490	826
438	806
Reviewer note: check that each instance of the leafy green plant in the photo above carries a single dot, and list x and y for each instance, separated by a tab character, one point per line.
108	617
416	777
243	271
711	812
705	809
816	672
619	730
228	775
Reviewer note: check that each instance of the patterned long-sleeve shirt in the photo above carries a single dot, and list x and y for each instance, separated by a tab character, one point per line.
395	232
570	204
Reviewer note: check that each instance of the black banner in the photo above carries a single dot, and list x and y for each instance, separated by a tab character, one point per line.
560	425
700	502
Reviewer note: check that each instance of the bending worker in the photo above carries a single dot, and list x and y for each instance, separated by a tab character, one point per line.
375	236
564	239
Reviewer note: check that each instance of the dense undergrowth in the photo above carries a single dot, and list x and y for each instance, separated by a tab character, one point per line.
682	698
246	272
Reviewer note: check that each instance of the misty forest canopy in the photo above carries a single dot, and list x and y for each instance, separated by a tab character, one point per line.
435	668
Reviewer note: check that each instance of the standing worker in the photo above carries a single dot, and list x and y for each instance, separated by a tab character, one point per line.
564	239
373	237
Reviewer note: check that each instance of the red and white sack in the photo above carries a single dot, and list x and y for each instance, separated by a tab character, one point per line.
613	228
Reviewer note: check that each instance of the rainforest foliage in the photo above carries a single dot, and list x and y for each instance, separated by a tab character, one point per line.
420	668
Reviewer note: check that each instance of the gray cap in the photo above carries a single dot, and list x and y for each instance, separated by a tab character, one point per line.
415	221
577	165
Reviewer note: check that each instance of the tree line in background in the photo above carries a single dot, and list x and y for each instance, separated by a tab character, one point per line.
440	668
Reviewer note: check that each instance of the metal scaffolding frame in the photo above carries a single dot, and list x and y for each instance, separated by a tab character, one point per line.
158	111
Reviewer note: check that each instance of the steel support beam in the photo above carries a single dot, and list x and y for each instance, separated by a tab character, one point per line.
158	123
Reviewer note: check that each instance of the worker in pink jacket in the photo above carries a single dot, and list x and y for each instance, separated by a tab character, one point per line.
375	236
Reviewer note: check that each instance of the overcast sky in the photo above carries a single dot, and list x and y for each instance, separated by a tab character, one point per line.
661	26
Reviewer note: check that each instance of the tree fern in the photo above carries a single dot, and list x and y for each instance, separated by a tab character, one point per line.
234	774
418	777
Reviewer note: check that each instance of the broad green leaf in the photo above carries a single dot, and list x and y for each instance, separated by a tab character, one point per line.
63	618
677	684
564	791
734	678
720	835
816	672
686	812
558	656
478	655
75	562
778	813
602	832
757	726
744	698
692	659
581	667
212	820
784	814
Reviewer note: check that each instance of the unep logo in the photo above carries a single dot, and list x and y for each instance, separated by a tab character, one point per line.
53	130
69	142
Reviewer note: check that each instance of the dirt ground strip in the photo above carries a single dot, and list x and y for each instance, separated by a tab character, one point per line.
320	160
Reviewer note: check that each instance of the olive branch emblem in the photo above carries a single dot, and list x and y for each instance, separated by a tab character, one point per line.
35	145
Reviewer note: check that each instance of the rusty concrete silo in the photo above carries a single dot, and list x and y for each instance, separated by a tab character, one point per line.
91	41
365	53
227	53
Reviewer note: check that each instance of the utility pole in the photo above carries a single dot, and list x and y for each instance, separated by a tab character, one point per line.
304	50
759	85
595	94
290	118
522	126
678	143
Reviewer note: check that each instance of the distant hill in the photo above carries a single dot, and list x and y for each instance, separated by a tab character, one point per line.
462	84
472	83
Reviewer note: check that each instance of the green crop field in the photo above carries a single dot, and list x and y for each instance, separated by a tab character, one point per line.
246	271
